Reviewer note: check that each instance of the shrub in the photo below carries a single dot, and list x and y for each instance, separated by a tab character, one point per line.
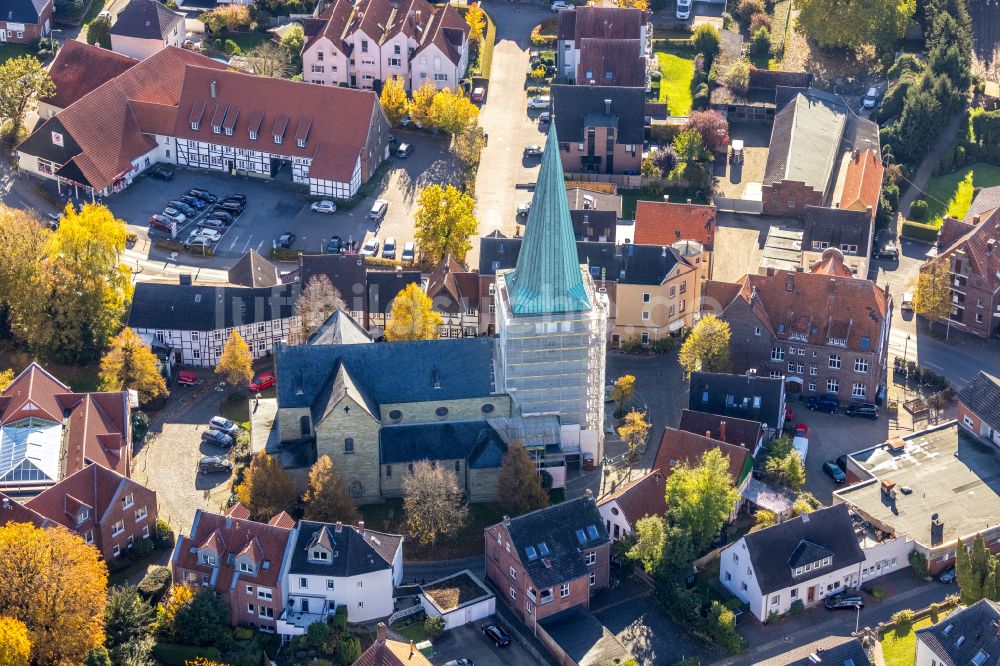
705	40
663	345
918	231
700	98
727	21
348	648
935	609
141	549
879	593
178	655
243	633
797	607
230	47
632	345
907	62
155	584
339	620
747	9
434	626
891	193
140	426
758	21
737	77
317	633
656	76
903	619
918	210
163	536
762	41
918	564
664	134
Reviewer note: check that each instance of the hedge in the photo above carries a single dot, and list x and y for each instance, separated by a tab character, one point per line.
489	40
155	584
171	654
918	231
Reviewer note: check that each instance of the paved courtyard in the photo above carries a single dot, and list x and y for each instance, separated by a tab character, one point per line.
468	642
733	178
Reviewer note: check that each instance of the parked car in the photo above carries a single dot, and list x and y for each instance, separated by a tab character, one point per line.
539	102
195	241
194	202
234	208
370	248
333	245
238	198
523	209
870	98
174	215
222	214
379	209
213	235
948	576
495	633
264	380
404	150
887	251
845	601
323	207
544	117
824	403
204	195
801	446
907	302
187	378
212	464
533	151
801	430
161	223
284	241
217	437
478	94
409	252
389	248
683	9
183	207
212	223
833	470
161	173
105	15
459	662
560	5
223	424
864	409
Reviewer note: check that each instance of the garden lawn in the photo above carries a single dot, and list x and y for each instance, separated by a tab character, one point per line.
414	632
8	51
951	194
247	40
900	649
675	82
390	517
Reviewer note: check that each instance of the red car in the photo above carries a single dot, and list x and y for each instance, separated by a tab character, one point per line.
264	380
801	430
789	414
187	378
160	222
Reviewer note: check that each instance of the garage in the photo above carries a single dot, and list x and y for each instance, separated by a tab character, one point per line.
460	599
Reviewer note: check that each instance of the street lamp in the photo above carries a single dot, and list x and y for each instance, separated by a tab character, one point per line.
906	346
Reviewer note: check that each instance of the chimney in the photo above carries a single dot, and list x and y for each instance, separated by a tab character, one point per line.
588	493
338	527
506	521
607	106
789	282
6	503
836	204
868	211
975	220
664	250
361	527
937	531
991	245
770	271
381	632
215	89
708	434
666	198
184	278
722	431
689	203
857	154
229	522
805	516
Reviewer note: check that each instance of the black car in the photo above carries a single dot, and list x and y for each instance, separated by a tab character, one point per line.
864	409
211	464
204	195
948	576
824	403
834	471
285	241
239	198
161	173
222	214
232	207
844	602
333	245
495	633
217	437
184	208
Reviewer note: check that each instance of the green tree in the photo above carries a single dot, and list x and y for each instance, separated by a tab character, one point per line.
975	571
434	625
854	23
692	156
706	347
623	391
433	503
99	32
202	619
444	222
23	81
452	112
127	619
266	489
98	656
651	533
348	648
6	377
317	633
393	98
412	316
701	498
968	581
705	40
129	364
932	299
519	485
765	518
294	39
467	146
327	499
236	362
786	470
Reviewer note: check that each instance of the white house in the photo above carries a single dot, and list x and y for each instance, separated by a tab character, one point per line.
365	44
335	565
146	27
197	320
969	636
629	504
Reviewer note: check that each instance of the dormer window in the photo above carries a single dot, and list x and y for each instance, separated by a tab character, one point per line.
208	558
216	129
301	143
319	555
229	131
246	567
277	138
253	135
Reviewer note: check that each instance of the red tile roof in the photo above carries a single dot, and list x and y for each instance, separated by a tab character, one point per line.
453	287
12	511
620	58
238	511
282	520
741	432
680	447
601	22
978	243
80	68
665	223
831	263
863	181
643	497
94	487
32	393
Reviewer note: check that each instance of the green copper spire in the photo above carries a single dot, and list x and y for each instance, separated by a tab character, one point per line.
547	278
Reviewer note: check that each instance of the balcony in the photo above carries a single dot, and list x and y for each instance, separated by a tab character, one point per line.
295	623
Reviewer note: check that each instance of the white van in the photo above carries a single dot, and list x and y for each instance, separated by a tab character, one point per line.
801	446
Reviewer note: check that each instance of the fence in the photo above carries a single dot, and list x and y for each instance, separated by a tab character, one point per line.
628	182
748	206
406	612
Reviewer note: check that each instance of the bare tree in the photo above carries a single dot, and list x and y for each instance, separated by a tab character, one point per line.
270	59
316	303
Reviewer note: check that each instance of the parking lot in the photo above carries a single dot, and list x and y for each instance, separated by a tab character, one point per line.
277	206
468	642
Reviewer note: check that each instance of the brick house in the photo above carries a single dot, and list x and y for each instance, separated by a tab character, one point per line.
549	560
238	558
823	333
26	21
969	250
601	128
624	507
590	37
108	510
848	231
861	187
979	407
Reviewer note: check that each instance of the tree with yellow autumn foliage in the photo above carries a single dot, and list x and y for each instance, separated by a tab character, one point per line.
266	489
412	316
6	377
452	112
445	222
15	646
236	361
130	364
57	585
476	18
420	106
394	101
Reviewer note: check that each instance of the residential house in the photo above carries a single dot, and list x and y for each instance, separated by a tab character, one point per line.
595	214
549	560
665	223
26	21
968	249
49	432
240	560
848	231
827	651
587	196
108	510
979	407
861	185
381	289
200	115
77	70
602	128
679	447
969	635
804	559
813	140
364	44
749	397
145	27
454	293
822	332
385	652
197	320
253	270
338	565
625	506
730	429
589	38
346	273
767	90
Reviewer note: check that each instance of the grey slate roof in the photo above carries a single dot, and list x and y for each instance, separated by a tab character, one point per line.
582	636
733	395
572	104
836	226
829	651
146	19
556	526
988	199
396	372
346	273
584	199
443	440
353	554
591	225
742	432
774	551
383	286
982	396
206	308
253	270
957	639
340	328
22	11
806	140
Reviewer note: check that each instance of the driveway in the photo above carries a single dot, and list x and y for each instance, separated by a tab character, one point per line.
468	642
739	240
